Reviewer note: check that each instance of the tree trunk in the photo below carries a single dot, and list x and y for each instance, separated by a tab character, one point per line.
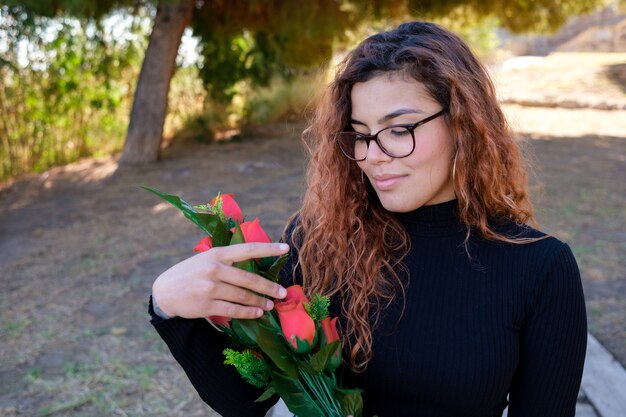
145	130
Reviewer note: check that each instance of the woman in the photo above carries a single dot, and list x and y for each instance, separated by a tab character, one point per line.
415	223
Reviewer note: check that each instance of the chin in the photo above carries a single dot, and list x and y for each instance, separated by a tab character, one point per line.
396	205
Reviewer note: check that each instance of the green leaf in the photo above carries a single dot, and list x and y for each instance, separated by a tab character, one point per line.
303	346
221	235
204	221
237	236
249	264
271	343
246	334
294	395
273	271
266	263
266	394
228	331
318	360
278	352
351	401
348	390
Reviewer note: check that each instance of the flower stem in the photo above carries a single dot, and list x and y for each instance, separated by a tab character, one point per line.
322	394
318	394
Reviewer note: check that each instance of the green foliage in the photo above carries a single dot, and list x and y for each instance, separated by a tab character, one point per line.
320	359
266	394
68	96
518	16
92	9
480	32
294	393
274	38
281	100
352	402
270	38
205	221
251	368
318	307
186	104
265	332
72	98
273	271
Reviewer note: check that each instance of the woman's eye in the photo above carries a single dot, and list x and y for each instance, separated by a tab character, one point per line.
399	131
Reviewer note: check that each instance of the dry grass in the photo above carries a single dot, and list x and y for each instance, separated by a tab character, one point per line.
596	80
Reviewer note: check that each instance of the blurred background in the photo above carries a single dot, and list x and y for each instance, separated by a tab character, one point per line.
199	97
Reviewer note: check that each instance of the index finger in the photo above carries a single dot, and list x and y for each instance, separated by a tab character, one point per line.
244	251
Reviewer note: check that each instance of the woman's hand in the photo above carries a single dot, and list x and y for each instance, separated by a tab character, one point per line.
208	285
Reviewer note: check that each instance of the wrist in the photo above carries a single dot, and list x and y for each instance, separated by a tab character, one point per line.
159	311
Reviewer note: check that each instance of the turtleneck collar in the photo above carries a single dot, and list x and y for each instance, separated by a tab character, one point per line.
435	220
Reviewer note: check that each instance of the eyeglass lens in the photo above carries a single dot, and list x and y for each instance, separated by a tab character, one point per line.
395	141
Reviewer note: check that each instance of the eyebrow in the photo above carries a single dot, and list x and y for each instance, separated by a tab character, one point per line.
390	116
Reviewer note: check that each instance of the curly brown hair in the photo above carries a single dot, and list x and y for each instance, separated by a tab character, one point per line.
353	246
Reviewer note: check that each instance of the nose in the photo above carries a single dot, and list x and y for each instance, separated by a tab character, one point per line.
375	154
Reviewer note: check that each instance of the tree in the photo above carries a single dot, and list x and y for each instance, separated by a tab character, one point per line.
145	130
255	39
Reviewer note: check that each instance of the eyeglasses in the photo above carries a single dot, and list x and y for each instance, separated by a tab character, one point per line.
397	141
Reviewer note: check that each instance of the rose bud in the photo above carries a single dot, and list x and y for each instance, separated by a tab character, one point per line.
220	320
253	232
329	335
204	245
295	293
230	208
297	326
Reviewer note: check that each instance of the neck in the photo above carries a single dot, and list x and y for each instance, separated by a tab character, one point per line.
435	220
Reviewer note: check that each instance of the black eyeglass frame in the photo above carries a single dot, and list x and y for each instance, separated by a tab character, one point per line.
368	138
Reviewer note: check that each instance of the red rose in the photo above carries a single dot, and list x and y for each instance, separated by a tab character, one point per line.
220	320
204	245
329	335
297	326
253	232
230	208
296	293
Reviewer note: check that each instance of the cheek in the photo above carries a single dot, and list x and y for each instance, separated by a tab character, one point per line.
437	152
428	158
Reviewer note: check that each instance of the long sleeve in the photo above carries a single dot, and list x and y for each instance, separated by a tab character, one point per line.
198	347
553	343
510	320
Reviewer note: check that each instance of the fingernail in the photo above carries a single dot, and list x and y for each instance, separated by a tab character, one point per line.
269	304
283	246
282	292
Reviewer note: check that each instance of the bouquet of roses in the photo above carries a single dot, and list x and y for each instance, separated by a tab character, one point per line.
293	350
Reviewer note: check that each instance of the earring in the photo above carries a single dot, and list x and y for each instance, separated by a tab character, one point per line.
454	166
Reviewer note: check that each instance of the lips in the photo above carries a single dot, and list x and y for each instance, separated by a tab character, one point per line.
385	182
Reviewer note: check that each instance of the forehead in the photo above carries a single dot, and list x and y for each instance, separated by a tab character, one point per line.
385	93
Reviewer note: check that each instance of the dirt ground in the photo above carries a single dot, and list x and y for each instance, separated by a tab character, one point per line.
81	245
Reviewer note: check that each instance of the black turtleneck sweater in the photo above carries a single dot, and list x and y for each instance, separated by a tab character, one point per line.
509	321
